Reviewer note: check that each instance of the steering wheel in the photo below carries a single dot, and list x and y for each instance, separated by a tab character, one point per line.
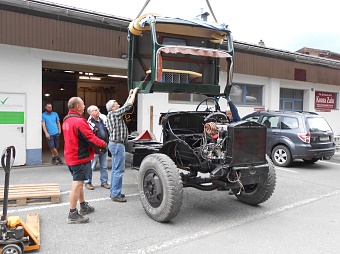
217	116
215	105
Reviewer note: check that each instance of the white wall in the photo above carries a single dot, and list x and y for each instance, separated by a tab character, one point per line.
332	117
271	100
21	72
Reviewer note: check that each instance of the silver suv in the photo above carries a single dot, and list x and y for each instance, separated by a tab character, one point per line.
295	135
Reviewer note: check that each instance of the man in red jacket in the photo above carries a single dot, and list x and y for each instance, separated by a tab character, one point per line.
79	147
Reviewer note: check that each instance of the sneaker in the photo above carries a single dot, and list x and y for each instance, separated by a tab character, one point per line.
106	185
54	161
118	199
86	209
122	195
76	218
89	186
59	161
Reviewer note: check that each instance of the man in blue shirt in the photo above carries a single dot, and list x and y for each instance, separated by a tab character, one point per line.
51	127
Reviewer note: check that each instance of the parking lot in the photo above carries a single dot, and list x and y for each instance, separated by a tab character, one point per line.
303	215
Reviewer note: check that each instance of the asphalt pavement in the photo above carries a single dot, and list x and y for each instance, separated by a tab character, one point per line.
54	225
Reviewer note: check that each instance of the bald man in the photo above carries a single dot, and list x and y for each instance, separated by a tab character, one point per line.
79	148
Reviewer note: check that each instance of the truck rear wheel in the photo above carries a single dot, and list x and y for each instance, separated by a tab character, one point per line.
160	187
258	193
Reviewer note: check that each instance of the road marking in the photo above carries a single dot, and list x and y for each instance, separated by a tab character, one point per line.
329	162
186	238
41	207
288	170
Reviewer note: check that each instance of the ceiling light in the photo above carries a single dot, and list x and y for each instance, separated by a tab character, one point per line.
95	78
84	77
61	88
89	78
117	76
69	71
47	94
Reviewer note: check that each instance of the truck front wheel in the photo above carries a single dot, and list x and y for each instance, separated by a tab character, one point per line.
160	187
258	193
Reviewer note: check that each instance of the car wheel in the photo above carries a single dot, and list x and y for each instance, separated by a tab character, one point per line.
281	156
254	194
311	161
160	187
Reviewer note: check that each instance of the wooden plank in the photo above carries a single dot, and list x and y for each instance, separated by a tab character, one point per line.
33	223
31	194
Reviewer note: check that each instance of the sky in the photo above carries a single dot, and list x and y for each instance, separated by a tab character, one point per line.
288	25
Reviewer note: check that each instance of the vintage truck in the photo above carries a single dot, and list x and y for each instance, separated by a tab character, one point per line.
199	148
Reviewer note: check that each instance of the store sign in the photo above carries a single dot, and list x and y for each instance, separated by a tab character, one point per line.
12	108
325	100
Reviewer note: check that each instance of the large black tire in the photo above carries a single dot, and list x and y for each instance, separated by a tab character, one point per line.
258	193
160	187
281	156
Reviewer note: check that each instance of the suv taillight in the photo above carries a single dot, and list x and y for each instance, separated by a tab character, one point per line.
305	137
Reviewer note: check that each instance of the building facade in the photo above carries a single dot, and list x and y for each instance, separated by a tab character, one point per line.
64	52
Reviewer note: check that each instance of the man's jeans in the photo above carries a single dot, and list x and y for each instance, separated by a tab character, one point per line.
104	175
118	166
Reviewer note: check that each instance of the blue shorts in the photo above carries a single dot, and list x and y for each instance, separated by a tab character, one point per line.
53	141
81	172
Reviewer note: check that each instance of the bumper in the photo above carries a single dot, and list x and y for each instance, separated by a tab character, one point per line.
249	175
314	153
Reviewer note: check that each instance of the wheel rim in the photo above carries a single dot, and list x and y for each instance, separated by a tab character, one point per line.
250	188
153	188
11	249
280	156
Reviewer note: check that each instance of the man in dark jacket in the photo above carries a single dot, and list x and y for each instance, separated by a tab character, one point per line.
232	114
97	122
79	147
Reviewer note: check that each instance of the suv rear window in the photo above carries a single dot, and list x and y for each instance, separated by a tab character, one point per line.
318	124
289	123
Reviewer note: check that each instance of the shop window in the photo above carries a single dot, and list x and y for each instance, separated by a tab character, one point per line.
291	99
246	94
186	97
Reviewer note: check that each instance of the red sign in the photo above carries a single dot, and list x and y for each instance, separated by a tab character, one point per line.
259	109
325	100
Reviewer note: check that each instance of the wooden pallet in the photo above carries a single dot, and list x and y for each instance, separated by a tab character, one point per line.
31	194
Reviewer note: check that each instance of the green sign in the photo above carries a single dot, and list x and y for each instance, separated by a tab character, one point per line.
11	117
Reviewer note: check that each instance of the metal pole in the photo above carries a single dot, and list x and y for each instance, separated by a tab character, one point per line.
211	10
146	3
7	160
